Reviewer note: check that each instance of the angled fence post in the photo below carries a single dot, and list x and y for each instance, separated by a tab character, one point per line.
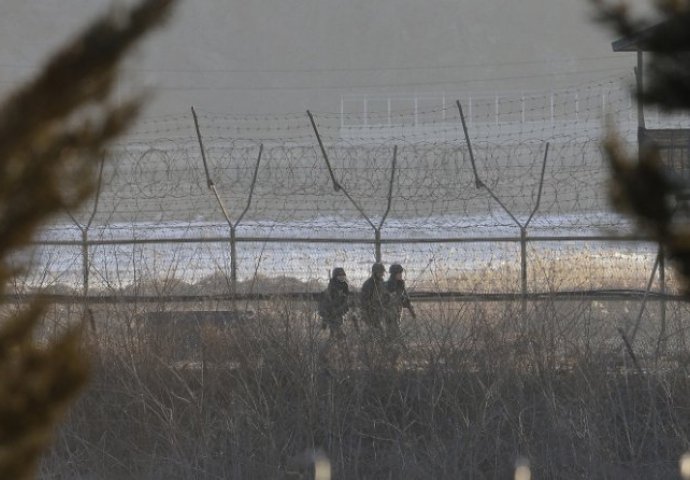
523	227
339	188
523	266
633	334
233	228
477	182
377	231
377	245
85	261
231	224
523	231
233	260
84	229
661	343
212	186
336	185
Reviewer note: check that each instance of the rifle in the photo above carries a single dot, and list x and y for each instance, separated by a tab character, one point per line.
412	285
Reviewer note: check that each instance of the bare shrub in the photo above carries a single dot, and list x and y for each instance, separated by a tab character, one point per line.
473	388
51	130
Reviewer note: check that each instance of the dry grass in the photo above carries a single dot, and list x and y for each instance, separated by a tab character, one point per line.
472	388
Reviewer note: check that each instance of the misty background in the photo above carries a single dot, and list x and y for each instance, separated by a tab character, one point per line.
286	56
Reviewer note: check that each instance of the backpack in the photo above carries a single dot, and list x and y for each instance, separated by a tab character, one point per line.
324	304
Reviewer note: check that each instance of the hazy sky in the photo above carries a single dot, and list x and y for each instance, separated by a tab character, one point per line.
277	56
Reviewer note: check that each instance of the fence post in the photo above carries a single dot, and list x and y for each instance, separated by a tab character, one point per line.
233	262
477	182
338	188
523	269
233	226
661	345
377	230
84	229
85	260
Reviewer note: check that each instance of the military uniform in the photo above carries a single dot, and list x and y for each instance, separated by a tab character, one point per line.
334	304
398	299
374	298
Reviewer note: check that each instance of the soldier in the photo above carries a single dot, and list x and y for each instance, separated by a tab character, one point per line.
398	299
334	304
374	297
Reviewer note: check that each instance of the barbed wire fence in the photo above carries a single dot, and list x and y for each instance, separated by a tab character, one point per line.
482	196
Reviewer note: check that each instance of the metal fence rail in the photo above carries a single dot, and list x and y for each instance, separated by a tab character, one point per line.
208	205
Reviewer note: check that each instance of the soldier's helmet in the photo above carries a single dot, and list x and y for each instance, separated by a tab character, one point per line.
378	268
338	272
395	269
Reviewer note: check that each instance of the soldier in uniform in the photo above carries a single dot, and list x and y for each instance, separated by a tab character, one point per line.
373	298
395	285
334	304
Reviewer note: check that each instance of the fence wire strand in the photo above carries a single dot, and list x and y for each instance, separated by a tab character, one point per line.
406	167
